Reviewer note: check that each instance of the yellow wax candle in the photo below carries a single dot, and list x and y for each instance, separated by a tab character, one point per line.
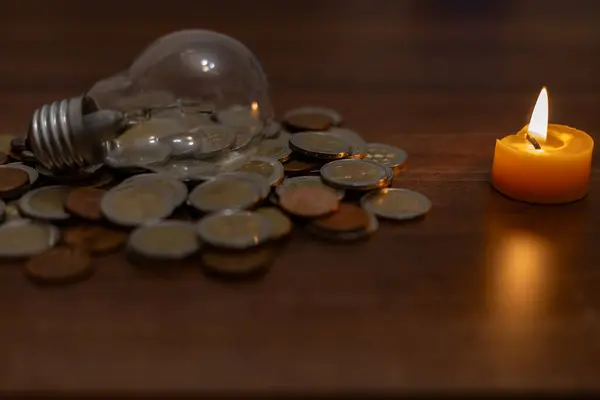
543	163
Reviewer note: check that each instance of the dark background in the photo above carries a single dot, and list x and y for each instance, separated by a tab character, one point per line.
485	294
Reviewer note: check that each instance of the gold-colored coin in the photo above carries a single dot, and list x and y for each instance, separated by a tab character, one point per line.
234	229
172	240
320	145
47	203
267	167
224	194
133	204
275	148
356	174
399	204
306	181
280	225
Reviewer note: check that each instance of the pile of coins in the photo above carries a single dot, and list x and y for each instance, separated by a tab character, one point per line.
308	172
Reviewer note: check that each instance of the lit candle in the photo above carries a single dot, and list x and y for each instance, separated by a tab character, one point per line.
543	163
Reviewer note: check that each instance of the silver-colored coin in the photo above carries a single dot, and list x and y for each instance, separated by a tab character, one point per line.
46	203
213	140
267	167
24	238
399	204
272	130
384	154
320	145
225	193
187	170
136	204
358	145
139	154
234	229
335	116
355	174
165	240
163	182
306	181
274	148
182	144
31	172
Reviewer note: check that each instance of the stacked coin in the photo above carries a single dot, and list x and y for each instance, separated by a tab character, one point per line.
161	199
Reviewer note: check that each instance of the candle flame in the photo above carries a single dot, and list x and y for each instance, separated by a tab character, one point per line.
538	125
254	107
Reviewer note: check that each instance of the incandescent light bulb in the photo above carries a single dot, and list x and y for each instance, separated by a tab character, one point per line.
192	96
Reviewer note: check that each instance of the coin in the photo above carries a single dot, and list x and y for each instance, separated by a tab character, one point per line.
22	238
133	205
239	116
213	140
224	193
85	203
309	122
355	174
238	264
138	155
27	156
164	183
390	156
272	130
348	236
100	180
280	224
11	179
61	265
294	167
31	172
187	170
347	218
335	116
46	203
307	181
94	239
11	212
267	167
17	144
277	149
182	144
234	229
68	176
399	204
150	131
358	147
320	145
261	184
309	202
166	240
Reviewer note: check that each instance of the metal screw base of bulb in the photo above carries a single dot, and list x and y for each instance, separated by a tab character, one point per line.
72	133
53	134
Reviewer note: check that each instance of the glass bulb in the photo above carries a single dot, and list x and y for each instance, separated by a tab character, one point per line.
198	96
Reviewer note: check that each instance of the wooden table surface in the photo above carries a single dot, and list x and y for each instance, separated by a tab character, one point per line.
484	294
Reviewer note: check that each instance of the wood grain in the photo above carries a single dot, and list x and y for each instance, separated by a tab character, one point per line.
485	294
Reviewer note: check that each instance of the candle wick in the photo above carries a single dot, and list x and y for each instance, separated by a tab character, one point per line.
534	142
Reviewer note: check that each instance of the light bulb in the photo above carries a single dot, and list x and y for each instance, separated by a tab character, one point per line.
192	90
